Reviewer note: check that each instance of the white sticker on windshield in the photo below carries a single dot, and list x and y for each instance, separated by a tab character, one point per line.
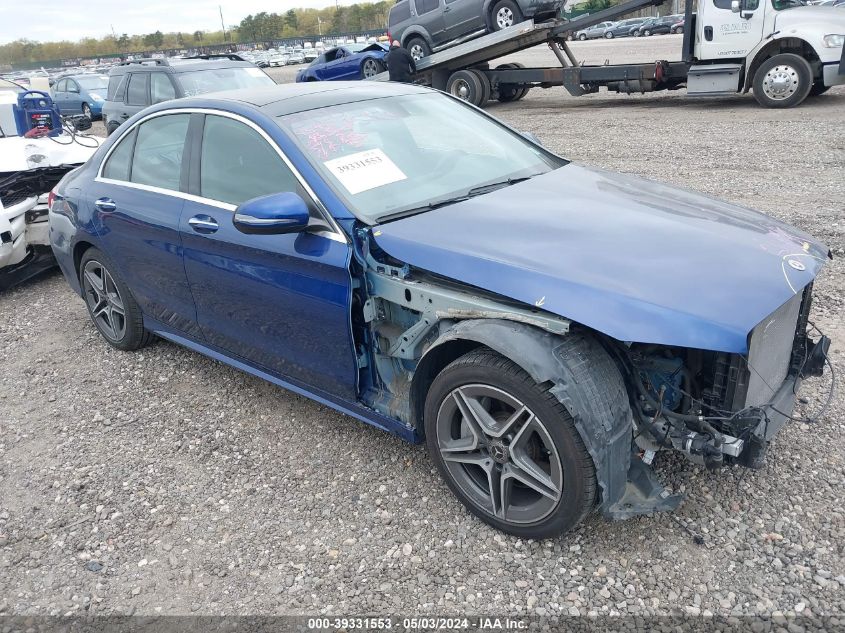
255	72
364	170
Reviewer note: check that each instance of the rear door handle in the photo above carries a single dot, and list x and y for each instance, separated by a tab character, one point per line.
203	224
708	33
105	204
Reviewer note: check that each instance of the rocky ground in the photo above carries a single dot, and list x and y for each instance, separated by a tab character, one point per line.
164	482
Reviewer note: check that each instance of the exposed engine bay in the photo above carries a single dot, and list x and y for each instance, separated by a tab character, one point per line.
32	162
713	407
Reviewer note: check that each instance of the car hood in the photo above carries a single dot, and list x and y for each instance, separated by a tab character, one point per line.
634	259
831	18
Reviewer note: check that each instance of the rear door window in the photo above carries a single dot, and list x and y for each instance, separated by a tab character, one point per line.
426	6
61	86
159	148
136	93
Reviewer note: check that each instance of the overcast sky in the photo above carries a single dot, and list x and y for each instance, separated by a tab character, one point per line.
51	20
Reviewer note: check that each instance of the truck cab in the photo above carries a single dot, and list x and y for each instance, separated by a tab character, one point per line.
782	50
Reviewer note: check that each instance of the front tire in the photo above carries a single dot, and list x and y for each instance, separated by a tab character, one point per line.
582	37
111	306
507	448
609	35
505	13
783	81
86	110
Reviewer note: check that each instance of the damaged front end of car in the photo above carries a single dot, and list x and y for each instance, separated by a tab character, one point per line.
715	408
24	237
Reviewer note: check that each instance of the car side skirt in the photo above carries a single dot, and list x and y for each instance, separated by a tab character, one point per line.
406	432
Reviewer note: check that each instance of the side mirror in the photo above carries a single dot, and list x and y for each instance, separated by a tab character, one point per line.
735	6
274	214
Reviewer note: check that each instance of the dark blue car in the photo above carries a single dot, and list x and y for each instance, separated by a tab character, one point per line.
347	62
407	259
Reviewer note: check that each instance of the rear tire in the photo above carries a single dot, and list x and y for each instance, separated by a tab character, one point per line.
533	477
418	48
647	33
505	13
111	127
783	81
582	37
609	35
111	306
467	86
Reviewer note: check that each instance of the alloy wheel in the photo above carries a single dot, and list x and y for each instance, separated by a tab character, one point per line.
86	110
371	68
417	52
499	453
104	300
504	17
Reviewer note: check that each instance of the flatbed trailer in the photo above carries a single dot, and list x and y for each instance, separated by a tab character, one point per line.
464	69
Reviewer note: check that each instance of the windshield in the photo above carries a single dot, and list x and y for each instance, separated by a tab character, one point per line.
780	5
93	82
197	82
401	155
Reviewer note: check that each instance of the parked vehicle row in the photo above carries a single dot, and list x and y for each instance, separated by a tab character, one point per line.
633	27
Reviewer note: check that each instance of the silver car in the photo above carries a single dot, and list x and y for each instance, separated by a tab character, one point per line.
594	32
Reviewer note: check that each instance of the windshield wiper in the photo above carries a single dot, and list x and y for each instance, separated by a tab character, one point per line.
481	189
404	213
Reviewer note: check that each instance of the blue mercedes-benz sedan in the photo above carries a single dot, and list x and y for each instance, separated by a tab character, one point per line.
403	257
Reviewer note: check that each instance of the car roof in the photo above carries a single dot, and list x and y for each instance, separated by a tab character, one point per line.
179	66
298	97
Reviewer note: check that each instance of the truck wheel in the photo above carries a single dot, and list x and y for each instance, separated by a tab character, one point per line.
507	448
466	85
486	89
509	92
783	81
111	306
582	37
609	35
418	48
818	89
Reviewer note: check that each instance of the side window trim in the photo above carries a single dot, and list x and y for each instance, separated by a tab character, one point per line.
335	233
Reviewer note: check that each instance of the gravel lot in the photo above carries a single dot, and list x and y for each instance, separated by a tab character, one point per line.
164	482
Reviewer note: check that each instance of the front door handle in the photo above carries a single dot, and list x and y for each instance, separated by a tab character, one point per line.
105	204
203	224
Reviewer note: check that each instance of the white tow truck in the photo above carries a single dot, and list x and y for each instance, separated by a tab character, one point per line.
782	50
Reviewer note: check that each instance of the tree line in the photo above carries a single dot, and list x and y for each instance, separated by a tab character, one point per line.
261	27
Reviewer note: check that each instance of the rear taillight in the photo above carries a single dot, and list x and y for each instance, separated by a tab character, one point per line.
50	197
